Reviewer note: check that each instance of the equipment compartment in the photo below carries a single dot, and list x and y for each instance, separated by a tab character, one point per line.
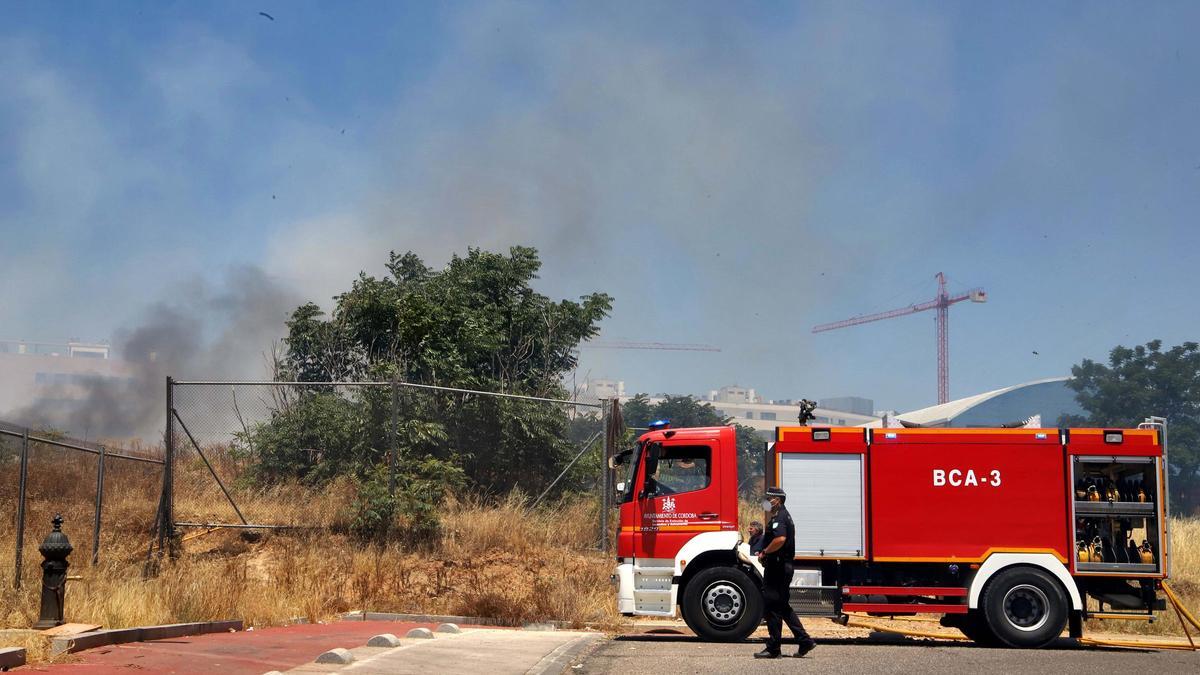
1117	527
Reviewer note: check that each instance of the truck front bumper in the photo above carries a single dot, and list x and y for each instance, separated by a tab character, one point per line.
624	581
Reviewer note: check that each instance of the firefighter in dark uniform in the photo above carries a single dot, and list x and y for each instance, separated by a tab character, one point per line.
778	558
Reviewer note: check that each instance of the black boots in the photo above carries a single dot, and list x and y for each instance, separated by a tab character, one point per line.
768	653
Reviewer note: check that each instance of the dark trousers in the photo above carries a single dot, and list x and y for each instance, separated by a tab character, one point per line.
777	579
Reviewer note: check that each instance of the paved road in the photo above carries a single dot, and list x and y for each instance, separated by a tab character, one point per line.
629	655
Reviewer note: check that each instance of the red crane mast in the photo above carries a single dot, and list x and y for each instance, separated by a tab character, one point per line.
942	304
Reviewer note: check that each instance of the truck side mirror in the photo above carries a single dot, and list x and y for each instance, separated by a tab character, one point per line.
619	459
652	454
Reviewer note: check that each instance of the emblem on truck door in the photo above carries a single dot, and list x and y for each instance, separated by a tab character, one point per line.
668	504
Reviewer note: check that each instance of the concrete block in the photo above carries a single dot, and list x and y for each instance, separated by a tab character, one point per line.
384	640
447	628
423	633
12	657
539	626
336	655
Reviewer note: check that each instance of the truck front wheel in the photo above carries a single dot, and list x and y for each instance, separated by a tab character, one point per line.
722	604
1025	607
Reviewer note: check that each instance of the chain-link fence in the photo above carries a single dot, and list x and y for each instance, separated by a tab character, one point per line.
106	495
366	456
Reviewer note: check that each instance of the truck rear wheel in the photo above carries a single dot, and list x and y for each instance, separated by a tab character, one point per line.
722	604
1025	607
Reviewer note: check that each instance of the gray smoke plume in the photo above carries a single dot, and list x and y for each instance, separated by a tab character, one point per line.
200	331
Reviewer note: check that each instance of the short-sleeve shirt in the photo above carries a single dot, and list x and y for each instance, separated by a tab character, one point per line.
757	544
781	525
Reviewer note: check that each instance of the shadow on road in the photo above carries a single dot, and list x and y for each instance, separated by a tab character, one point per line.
884	640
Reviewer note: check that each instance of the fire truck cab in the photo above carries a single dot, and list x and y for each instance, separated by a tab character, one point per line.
1011	534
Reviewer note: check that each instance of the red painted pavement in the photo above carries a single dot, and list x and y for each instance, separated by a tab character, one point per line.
245	652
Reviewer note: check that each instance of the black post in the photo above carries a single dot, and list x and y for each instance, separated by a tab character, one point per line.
22	479
99	508
55	549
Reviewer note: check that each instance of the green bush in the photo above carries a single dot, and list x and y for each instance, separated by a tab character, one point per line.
409	516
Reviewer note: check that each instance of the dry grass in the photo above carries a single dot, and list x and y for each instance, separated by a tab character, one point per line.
37	647
504	560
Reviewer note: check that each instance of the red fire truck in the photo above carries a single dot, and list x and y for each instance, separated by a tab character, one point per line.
1010	534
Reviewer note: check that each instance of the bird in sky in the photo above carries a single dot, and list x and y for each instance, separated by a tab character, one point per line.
266	15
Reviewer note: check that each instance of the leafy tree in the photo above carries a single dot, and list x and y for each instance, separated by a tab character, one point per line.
687	411
1146	380
476	324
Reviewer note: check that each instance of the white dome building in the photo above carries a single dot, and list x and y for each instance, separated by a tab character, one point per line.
1047	399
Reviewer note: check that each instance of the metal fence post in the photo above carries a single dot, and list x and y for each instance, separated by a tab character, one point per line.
99	507
166	524
394	435
605	420
22	479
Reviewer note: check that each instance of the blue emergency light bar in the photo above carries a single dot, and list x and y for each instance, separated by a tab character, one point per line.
659	424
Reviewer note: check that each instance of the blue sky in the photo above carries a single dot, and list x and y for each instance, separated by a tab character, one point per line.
732	174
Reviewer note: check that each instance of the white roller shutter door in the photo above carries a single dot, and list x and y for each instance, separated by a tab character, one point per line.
825	498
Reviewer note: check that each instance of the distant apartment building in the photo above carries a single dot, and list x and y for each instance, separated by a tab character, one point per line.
733	394
854	404
600	388
33	373
742	405
763	417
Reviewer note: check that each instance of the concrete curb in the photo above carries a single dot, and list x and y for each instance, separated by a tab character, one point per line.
444	618
384	640
557	661
12	657
101	638
338	655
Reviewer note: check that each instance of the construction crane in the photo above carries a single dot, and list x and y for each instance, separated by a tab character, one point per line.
942	304
669	346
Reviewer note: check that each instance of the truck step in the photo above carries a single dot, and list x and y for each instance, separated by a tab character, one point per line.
940	591
902	608
654	571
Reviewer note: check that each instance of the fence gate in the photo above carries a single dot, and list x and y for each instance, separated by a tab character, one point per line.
226	466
